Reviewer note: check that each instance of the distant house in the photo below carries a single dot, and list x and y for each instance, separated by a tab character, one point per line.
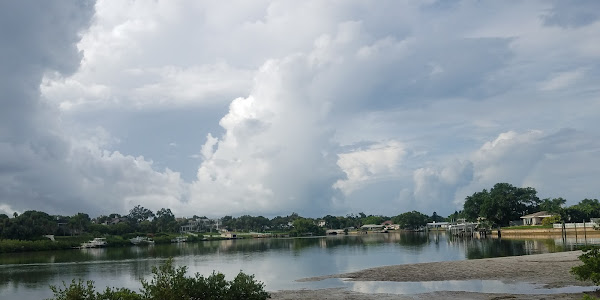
372	227
321	223
390	225
535	218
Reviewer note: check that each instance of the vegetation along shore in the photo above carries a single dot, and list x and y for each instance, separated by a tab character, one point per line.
501	206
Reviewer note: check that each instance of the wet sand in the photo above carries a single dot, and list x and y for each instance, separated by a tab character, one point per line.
551	270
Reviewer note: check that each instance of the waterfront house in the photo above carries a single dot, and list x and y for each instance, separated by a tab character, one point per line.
535	218
389	224
371	227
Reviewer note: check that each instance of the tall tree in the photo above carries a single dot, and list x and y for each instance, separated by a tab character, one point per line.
473	204
79	223
502	204
584	210
373	219
411	220
139	214
165	220
552	205
436	218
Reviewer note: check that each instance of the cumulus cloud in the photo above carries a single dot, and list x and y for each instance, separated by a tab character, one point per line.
212	110
43	165
363	166
272	154
549	162
435	185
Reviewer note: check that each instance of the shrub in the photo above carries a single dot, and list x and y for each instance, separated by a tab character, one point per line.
167	283
75	291
245	287
590	270
551	220
170	283
78	291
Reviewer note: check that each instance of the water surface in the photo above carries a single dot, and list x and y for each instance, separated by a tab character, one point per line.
276	262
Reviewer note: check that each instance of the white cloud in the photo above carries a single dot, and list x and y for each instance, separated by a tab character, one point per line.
269	158
562	80
399	104
364	166
548	162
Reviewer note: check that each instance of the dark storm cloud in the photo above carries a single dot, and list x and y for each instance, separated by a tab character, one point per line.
36	37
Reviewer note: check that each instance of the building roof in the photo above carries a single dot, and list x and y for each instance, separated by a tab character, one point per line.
541	214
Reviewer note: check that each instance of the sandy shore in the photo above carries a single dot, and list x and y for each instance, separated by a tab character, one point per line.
551	270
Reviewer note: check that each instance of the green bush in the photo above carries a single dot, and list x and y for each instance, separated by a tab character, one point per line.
551	220
7	246
78	291
170	283
590	270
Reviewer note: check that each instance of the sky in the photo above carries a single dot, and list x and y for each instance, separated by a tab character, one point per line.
315	107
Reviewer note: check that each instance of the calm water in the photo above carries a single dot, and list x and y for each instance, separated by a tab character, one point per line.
276	262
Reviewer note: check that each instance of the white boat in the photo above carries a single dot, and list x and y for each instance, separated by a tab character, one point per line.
95	243
141	240
179	239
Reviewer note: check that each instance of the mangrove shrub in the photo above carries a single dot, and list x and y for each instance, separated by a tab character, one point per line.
170	283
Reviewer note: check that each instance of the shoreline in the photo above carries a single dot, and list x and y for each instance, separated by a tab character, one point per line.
550	270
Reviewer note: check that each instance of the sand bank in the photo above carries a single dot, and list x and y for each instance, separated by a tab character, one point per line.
551	270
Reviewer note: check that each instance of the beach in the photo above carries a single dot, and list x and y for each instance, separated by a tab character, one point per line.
550	270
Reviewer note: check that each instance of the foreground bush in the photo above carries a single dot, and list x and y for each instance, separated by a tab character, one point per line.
590	270
170	283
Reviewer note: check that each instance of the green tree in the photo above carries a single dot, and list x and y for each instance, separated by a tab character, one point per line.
79	223
228	222
165	220
121	228
502	204
304	226
552	205
436	218
411	220
373	219
28	225
473	204
139	214
332	222
582	211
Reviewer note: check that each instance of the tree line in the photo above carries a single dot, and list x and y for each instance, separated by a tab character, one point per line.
498	206
32	225
504	203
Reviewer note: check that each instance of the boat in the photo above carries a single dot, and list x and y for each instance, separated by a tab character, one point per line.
138	240
179	239
95	243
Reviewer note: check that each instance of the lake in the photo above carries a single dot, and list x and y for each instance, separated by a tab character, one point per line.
276	262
